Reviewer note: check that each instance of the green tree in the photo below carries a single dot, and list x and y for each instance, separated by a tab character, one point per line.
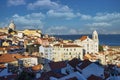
26	76
101	48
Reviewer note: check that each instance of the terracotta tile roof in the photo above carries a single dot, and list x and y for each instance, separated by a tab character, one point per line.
71	45
74	62
87	56
2	66
2	34
67	45
57	45
83	38
93	77
1	69
57	65
110	50
118	65
10	57
84	64
37	67
9	47
47	75
44	38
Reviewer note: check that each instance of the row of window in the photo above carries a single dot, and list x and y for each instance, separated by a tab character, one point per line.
50	50
69	53
69	49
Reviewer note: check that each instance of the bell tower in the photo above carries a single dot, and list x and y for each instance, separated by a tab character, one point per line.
95	36
96	41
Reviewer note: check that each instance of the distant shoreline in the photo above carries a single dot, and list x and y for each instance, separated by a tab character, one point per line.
114	46
110	40
78	34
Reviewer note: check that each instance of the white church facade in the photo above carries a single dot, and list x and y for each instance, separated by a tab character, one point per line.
89	45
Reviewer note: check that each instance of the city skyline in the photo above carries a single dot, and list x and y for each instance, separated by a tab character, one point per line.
62	16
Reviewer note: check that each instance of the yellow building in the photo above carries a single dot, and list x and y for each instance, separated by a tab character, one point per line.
32	32
5	44
4	30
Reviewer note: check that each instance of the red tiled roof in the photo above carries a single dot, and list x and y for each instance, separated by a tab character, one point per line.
93	77
10	57
44	38
3	34
67	45
83	38
71	45
9	47
47	39
118	65
37	67
57	65
2	66
110	50
74	62
84	64
57	45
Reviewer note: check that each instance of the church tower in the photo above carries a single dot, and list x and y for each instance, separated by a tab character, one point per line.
12	25
11	28
95	36
96	41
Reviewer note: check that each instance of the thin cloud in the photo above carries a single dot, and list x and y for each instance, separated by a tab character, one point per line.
100	24
107	16
16	2
28	20
83	16
56	30
67	15
47	4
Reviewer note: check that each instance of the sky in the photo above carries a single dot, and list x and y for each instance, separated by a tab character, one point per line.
62	16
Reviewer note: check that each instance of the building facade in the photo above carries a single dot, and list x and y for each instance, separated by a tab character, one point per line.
61	52
32	32
67	51
89	45
46	52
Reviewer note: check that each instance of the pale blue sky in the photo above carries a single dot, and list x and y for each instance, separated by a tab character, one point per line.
63	16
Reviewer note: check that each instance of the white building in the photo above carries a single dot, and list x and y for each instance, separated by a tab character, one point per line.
89	45
61	51
29	61
46	53
67	51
